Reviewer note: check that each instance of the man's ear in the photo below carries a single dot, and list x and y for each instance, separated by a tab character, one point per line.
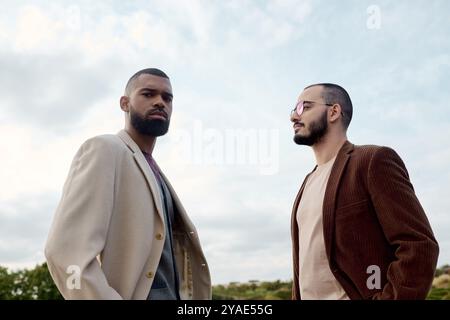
335	112
124	103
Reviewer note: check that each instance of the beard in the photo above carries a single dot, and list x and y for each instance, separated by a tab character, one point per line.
317	130
148	127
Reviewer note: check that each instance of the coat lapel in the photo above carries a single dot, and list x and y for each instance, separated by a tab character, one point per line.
145	168
329	201
177	203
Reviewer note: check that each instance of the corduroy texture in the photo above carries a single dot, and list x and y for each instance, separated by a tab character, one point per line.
372	217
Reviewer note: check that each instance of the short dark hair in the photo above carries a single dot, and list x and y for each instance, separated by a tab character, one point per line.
152	71
333	93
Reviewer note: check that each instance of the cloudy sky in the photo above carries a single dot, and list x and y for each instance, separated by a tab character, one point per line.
237	68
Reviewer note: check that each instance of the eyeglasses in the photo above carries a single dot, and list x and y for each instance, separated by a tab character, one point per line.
300	106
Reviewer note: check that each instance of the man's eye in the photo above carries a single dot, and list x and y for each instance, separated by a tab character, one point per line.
166	97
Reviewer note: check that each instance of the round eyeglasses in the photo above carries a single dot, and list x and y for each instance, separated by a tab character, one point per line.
300	106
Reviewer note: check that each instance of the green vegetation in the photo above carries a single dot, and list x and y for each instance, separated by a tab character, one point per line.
441	284
253	290
36	284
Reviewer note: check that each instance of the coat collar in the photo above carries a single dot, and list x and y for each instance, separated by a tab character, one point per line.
154	186
329	201
145	168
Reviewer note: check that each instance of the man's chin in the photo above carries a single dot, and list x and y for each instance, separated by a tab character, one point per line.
153	127
302	140
157	131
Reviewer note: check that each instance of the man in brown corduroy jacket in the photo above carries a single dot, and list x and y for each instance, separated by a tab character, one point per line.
358	229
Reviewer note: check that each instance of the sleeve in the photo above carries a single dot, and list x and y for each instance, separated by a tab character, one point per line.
405	226
80	226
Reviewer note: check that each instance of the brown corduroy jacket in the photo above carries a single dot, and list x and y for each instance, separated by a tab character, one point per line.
372	217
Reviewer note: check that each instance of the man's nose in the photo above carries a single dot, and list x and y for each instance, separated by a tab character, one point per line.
294	117
159	102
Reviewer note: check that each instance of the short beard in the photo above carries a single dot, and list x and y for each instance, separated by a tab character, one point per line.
317	129
149	127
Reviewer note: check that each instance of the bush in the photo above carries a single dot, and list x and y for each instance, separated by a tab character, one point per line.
35	284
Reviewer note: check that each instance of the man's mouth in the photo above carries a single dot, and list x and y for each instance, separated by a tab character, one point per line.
158	115
298	125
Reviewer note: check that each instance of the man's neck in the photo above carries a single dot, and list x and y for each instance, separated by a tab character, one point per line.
145	143
328	147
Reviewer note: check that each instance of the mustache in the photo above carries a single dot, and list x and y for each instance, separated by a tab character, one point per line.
157	111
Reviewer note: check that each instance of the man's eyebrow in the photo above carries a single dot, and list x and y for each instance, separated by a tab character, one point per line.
154	90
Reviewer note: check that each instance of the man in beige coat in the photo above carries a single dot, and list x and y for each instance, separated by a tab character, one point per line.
120	231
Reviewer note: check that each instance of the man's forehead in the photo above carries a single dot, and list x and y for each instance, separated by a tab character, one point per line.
153	82
312	93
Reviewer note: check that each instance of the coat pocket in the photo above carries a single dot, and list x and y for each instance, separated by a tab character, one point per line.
353	209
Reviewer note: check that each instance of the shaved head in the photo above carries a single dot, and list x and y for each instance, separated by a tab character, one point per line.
152	71
333	93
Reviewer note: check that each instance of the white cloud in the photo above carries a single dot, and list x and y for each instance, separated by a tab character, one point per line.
24	226
234	65
35	29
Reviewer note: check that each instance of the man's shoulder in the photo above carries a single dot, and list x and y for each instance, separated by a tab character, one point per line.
366	154
105	145
105	140
370	149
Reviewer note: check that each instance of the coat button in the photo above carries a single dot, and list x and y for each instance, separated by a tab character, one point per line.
159	236
149	275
